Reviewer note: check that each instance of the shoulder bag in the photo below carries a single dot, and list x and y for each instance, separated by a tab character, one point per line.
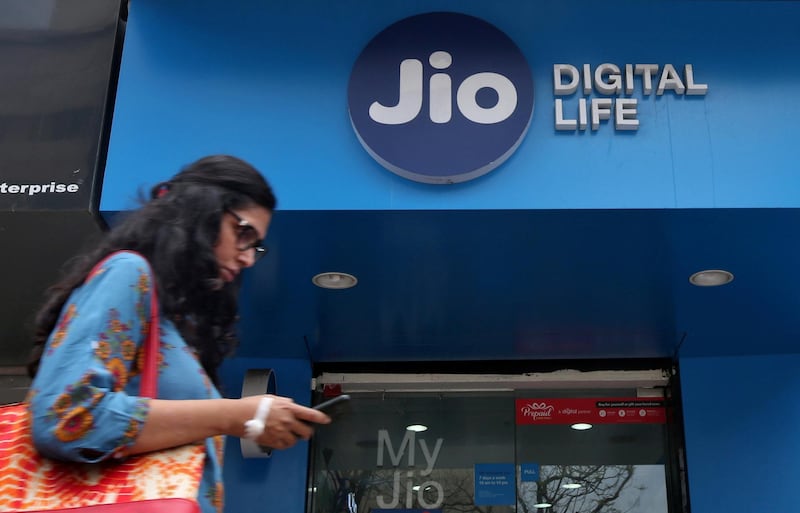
158	482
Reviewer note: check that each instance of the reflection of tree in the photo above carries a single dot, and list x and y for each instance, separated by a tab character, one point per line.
600	487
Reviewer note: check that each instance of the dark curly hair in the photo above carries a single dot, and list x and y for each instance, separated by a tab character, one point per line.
176	231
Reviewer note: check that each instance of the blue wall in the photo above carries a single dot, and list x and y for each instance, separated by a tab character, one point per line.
277	483
268	81
740	419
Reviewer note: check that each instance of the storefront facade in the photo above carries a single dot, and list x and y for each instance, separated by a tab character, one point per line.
515	185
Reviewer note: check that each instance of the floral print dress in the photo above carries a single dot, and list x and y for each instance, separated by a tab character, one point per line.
84	400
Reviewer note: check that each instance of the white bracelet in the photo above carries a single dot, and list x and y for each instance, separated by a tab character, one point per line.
254	427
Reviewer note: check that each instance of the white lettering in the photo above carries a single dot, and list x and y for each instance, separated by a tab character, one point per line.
409	489
691	87
441	98
410	95
601	110
563	123
441	89
409	498
611	80
385	445
395	495
430	458
646	71
559	87
611	85
587	79
35	188
583	118
670	80
628	78
506	98
409	101
439	495
625	114
385	441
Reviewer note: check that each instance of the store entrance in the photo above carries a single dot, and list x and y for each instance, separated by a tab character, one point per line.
455	444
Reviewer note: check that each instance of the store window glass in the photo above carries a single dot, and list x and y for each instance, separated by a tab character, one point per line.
492	452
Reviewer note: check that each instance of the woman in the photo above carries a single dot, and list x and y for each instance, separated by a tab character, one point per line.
199	230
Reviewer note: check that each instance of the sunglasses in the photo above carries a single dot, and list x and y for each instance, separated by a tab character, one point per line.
247	236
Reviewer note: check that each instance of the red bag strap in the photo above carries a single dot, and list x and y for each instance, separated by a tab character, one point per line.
149	379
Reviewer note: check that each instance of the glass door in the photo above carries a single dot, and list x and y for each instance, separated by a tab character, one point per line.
520	450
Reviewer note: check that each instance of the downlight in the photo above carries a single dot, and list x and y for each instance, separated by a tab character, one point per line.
334	280
711	278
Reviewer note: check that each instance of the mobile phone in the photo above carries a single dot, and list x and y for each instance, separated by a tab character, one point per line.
335	406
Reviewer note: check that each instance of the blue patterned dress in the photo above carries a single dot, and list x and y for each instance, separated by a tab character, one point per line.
84	399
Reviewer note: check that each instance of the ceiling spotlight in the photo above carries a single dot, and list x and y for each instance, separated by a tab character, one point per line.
417	428
581	426
711	278
332	280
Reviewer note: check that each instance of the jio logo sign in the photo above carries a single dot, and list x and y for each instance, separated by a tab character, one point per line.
441	97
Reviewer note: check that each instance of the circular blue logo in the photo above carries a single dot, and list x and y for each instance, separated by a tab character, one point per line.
441	97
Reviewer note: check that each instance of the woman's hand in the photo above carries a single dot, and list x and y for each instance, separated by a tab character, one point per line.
287	422
174	423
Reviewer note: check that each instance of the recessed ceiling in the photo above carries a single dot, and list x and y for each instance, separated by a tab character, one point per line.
524	285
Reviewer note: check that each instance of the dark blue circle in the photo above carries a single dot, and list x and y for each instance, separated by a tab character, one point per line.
422	150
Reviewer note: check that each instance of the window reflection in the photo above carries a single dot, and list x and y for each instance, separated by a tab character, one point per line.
475	458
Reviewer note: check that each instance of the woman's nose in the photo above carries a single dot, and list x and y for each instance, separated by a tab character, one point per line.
247	257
